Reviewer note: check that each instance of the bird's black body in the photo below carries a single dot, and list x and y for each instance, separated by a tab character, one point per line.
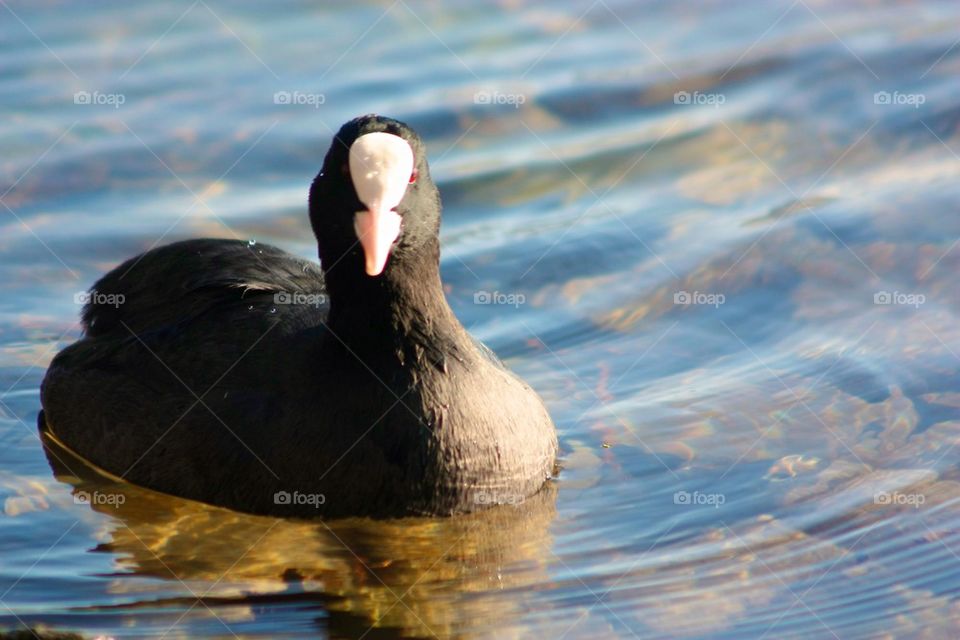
237	374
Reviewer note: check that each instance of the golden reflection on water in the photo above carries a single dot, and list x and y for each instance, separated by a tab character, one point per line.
421	577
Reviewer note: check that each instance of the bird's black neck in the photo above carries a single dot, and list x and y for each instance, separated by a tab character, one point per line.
404	305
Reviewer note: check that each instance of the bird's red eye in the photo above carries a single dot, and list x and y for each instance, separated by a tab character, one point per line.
345	169
413	176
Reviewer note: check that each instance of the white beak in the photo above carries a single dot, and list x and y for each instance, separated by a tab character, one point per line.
380	167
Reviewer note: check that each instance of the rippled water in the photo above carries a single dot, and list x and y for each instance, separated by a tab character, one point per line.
776	458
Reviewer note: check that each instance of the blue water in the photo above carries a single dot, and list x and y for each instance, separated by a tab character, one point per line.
725	236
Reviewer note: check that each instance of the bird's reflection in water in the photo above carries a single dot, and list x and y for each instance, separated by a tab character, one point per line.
413	577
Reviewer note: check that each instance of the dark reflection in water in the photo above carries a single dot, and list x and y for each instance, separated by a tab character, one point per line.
410	577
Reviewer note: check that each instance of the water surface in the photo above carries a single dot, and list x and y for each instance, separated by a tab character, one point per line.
725	240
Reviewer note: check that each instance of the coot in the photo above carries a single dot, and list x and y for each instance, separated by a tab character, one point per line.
239	375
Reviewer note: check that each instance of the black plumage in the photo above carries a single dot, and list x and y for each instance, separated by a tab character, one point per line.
235	373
